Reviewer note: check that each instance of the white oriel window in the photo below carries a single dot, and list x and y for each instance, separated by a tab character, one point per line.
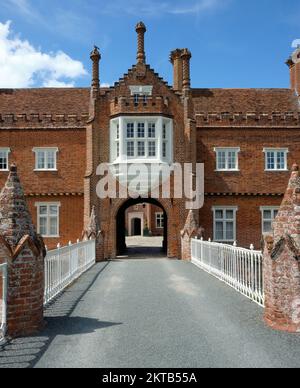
276	159
160	220
4	159
144	139
45	159
227	159
269	214
225	224
48	219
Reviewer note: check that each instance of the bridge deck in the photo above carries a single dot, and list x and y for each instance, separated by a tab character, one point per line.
153	313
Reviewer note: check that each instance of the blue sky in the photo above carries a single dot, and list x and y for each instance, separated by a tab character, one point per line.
235	43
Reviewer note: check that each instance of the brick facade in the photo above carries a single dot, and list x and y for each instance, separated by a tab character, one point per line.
77	122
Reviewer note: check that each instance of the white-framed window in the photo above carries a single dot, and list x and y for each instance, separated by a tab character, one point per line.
227	159
159	220
225	223
4	159
48	219
268	215
141	139
276	159
45	159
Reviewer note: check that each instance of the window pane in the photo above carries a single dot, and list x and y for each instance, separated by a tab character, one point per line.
164	149
130	130
130	148
280	160
270	160
219	214
53	210
118	149
221	160
141	148
41	160
219	231
267	225
164	131
151	130
53	226
51	160
141	130
43	226
229	214
43	210
152	148
3	160
231	160
275	213
229	231
267	214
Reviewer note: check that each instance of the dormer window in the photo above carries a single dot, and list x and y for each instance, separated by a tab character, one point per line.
141	139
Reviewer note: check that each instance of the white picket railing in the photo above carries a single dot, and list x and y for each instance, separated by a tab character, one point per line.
3	297
64	265
238	267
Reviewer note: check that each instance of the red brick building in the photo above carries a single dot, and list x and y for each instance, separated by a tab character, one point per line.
247	139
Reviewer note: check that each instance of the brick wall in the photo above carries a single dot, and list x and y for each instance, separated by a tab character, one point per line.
71	159
70	217
248	217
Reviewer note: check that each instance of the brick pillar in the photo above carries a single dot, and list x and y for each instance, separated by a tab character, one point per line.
141	30
24	251
93	231
186	58
95	58
176	60
189	231
282	262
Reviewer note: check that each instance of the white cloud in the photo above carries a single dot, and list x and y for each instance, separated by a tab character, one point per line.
105	85
22	65
296	43
153	8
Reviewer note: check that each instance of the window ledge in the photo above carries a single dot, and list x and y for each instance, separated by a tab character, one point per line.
7	170
50	236
277	170
227	170
41	170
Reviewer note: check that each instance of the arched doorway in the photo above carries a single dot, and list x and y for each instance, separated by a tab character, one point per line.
137	226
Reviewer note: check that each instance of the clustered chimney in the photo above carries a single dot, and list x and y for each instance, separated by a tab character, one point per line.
180	59
294	64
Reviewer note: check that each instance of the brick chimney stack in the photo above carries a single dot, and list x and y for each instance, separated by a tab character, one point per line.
186	58
294	64
176	60
95	57
141	30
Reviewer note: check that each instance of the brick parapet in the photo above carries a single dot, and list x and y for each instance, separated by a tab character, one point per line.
248	119
26	120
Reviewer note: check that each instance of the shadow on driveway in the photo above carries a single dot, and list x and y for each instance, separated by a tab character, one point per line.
26	352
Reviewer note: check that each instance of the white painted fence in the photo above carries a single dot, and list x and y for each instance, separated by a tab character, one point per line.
238	267
3	298
64	265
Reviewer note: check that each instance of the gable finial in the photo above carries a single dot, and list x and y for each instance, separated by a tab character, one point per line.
141	30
